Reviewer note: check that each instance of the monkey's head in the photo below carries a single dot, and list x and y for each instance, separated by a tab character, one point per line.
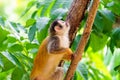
59	27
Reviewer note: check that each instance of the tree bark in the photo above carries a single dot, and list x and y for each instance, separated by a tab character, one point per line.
75	16
78	54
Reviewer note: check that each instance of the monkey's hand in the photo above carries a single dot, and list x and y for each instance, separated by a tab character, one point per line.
68	54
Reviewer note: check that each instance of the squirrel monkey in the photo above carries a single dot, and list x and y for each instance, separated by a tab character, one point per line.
52	50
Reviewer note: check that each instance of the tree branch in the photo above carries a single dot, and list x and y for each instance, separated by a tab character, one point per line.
75	16
78	54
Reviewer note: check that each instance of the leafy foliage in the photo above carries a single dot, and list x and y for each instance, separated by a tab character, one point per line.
19	43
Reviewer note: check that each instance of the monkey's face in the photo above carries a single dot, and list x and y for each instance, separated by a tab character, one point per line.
62	27
59	27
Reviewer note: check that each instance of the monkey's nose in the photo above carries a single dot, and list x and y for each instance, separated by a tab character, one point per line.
66	23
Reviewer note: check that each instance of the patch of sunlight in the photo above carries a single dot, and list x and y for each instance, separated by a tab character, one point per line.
12	9
97	59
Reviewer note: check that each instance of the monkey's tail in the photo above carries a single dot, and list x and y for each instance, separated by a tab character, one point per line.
58	74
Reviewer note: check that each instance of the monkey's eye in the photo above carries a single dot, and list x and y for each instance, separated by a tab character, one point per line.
60	26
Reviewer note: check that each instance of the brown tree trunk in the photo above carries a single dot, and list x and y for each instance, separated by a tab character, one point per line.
73	21
75	16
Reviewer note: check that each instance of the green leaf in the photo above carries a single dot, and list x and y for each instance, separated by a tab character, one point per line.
4	46
107	26
31	46
112	45
42	34
66	3
104	21
108	15
117	68
75	43
114	6
5	75
14	26
17	29
77	76
40	4
46	7
12	58
7	65
31	33
116	37
99	24
11	39
42	22
1	61
30	22
34	14
42	25
15	48
58	13
26	76
82	69
3	35
26	61
98	42
29	6
108	19
17	74
57	4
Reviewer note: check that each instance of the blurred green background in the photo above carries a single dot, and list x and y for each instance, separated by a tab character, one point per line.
24	24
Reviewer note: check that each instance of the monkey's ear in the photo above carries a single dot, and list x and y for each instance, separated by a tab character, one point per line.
57	28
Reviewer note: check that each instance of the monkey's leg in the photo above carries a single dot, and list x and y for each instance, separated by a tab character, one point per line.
58	74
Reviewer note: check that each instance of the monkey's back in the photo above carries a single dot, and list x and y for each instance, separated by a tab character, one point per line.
45	63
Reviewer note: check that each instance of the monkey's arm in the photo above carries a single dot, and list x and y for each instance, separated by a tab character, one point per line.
68	55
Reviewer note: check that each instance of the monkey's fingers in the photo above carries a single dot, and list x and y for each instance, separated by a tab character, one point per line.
68	57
